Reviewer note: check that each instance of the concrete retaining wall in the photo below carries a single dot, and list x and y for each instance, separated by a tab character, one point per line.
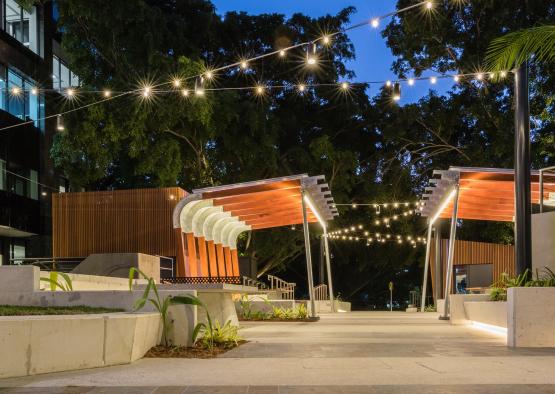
41	344
456	306
488	312
531	317
90	282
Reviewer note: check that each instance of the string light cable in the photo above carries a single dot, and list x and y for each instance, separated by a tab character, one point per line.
242	64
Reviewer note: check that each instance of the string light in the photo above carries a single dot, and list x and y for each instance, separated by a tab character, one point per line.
34	91
146	91
16	91
326	39
185	93
302	87
396	91
344	85
60	123
456	78
411	81
433	80
479	76
176	82
244	65
106	93
208	74
259	90
311	54
388	83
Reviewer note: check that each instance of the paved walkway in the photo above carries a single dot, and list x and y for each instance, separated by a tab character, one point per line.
360	352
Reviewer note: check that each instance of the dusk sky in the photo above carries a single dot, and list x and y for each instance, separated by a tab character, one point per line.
373	57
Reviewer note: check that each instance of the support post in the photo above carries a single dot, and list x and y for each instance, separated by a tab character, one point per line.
523	226
426	267
328	268
308	257
439	274
450	256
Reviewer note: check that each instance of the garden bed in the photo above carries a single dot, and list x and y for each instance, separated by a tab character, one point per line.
189	352
16	310
275	319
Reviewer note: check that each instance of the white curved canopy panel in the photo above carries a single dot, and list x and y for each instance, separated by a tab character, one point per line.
200	217
210	221
227	229
218	226
189	211
176	216
234	234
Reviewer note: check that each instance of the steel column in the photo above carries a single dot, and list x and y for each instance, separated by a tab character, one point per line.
523	226
450	256
328	268
308	257
438	271
426	267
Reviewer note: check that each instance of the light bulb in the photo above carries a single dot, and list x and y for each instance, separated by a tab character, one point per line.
107	93
146	91
479	76
208	74
456	78
244	65
375	22
302	87
34	91
282	53
429	5
16	90
184	92
176	82
388	83
503	74
326	40
260	90
433	80
411	81
344	85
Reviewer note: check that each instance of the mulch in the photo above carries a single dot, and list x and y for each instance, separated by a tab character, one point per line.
188	352
273	320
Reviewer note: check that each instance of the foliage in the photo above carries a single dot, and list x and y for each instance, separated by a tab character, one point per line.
498	294
515	48
16	310
498	291
430	308
216	335
161	305
55	282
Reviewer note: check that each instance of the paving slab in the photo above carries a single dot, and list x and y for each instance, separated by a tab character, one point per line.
350	353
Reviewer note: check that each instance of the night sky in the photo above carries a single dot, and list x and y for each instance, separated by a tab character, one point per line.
373	57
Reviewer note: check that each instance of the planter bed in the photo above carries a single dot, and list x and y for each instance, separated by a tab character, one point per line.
304	320
16	310
189	352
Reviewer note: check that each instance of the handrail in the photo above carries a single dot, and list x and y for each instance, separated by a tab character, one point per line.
321	292
253	282
542	170
286	289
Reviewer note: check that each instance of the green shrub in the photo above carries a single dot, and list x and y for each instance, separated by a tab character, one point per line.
54	281
211	335
430	308
498	294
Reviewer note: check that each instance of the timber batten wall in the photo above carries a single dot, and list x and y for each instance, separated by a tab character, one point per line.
502	257
119	221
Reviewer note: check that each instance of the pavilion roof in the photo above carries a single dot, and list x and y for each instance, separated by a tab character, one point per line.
484	193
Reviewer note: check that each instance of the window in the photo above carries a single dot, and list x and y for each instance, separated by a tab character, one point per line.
2	175
17	97
17	253
62	76
24	26
33	185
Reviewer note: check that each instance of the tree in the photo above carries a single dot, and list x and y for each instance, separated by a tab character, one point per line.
512	49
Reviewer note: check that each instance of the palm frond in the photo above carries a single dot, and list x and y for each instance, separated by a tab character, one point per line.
507	52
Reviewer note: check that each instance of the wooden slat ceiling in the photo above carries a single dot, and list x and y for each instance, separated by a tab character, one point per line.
484	193
273	202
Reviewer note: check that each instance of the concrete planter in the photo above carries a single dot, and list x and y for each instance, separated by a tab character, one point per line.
43	344
493	313
531	317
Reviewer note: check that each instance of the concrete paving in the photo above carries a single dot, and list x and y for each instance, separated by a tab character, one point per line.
359	352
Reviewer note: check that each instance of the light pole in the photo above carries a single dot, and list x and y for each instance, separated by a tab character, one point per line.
523	226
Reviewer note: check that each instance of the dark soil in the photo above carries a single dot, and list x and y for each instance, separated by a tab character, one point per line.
305	320
188	352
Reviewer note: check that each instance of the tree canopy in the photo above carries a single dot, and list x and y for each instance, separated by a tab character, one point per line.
369	148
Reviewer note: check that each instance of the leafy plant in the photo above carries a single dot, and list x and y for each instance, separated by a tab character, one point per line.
302	312
55	282
216	334
498	294
430	308
512	49
160	304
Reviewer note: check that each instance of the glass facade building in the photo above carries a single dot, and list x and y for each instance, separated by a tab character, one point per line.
30	60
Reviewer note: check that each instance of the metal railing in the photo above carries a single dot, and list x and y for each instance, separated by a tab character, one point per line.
542	170
285	289
321	292
62	264
253	282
